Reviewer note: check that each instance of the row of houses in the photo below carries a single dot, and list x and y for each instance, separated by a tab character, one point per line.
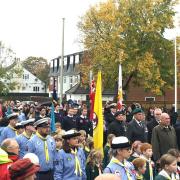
28	83
73	90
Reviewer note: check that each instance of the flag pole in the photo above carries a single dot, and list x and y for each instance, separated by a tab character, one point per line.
175	64
62	64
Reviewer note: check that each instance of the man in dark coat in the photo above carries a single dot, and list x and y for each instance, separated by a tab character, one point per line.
177	129
109	118
163	137
118	127
136	129
69	121
154	122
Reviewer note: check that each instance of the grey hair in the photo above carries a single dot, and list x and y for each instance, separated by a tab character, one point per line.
114	152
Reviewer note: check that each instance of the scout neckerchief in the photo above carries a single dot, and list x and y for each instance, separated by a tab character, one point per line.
107	144
25	135
45	146
77	163
165	174
86	149
114	160
139	177
15	130
150	166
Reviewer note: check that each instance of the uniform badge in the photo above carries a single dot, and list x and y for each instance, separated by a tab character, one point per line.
38	143
117	173
69	159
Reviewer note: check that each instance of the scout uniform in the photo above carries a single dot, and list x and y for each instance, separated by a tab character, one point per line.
9	131
123	169
44	148
23	138
71	165
150	171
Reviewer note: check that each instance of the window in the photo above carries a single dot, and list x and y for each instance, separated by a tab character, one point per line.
25	76
150	99
76	79
35	88
64	79
70	81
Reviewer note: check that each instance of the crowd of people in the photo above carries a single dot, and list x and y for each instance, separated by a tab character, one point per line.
137	145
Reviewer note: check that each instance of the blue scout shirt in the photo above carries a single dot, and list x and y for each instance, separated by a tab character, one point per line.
22	141
119	170
7	132
36	146
64	166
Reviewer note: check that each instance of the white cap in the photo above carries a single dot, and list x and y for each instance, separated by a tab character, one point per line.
120	142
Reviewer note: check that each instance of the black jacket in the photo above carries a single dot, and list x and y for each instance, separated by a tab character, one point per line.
117	128
69	123
84	124
150	126
109	118
137	133
177	129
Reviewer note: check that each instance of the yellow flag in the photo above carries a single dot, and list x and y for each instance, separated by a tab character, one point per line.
98	117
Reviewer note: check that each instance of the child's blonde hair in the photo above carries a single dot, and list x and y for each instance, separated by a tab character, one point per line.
93	155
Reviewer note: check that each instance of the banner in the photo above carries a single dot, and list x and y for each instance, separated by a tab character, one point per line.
98	116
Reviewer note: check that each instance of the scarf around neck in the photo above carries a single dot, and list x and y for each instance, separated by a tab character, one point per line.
45	146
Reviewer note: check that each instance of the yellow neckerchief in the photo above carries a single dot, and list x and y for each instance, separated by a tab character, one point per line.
25	135
107	144
45	146
77	163
114	160
139	177
86	149
150	167
15	130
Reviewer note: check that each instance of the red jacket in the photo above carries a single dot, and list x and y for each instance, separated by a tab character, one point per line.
4	172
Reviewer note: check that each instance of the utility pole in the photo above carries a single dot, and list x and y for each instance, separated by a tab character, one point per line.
62	64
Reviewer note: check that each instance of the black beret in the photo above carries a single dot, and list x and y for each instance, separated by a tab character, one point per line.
118	113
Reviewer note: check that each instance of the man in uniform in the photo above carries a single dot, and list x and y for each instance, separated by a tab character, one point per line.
44	147
9	131
154	122
118	127
83	122
23	138
121	150
109	118
136	129
69	121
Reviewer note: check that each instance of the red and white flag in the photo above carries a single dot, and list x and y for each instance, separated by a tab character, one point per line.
92	97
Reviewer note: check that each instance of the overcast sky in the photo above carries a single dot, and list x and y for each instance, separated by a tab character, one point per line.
34	27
